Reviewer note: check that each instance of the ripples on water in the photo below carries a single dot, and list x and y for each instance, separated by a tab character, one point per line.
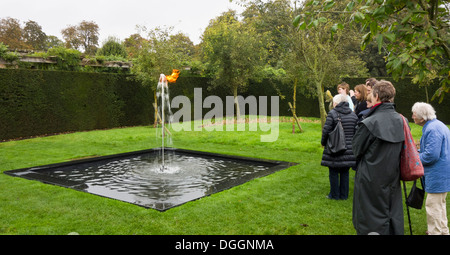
140	179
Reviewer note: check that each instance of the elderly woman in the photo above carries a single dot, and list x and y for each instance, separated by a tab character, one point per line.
435	157
378	141
340	163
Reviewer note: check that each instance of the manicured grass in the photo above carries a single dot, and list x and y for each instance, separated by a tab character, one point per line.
291	201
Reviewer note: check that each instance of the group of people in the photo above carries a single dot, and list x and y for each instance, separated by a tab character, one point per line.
374	140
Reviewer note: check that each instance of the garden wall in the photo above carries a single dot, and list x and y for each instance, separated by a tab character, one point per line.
38	102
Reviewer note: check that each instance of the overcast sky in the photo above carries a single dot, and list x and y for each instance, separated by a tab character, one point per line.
119	18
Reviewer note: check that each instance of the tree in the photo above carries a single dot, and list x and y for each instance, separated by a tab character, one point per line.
88	34
184	44
133	44
85	35
321	59
11	33
233	52
415	34
157	55
272	20
186	47
53	42
34	36
112	47
70	36
30	36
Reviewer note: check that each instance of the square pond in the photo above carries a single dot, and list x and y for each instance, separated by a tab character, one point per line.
140	178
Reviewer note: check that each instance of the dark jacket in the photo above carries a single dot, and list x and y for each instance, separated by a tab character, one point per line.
348	120
360	106
377	196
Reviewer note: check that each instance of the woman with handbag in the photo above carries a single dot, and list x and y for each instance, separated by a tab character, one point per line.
341	159
377	144
435	157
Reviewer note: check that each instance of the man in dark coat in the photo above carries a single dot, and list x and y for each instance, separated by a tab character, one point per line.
377	143
340	163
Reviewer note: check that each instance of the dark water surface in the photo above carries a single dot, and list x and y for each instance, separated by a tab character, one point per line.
139	177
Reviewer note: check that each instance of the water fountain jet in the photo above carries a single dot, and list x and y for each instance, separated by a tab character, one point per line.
163	93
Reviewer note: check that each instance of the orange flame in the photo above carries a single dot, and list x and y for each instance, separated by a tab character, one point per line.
174	76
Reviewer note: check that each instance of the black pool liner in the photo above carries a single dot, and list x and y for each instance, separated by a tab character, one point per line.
160	191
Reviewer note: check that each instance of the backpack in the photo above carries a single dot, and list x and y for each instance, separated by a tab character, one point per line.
411	167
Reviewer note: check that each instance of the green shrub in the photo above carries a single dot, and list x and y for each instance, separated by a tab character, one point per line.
113	47
66	59
6	55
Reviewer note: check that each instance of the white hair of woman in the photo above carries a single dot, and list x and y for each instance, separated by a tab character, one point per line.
339	98
424	111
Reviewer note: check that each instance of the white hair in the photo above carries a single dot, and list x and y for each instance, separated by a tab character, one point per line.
424	111
339	98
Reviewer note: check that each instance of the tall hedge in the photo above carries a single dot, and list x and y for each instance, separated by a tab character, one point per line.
407	93
37	102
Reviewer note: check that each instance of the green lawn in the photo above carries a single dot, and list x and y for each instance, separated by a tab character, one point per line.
291	201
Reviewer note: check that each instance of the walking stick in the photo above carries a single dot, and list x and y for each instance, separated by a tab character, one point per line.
407	209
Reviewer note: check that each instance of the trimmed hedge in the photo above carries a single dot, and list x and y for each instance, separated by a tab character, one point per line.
407	93
39	102
36	102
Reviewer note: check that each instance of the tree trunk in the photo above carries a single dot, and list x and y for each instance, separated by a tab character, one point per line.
155	123
236	102
323	112
294	105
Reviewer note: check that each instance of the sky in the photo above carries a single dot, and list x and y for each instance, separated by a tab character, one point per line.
119	18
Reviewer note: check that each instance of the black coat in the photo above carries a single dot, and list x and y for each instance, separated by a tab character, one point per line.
377	196
360	106
348	120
